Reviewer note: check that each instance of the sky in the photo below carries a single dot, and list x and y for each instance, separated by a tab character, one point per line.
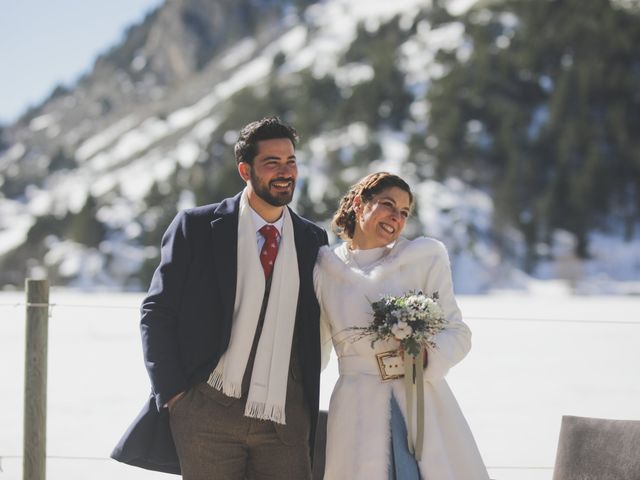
44	43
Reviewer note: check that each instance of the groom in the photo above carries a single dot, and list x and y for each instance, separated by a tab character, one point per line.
230	330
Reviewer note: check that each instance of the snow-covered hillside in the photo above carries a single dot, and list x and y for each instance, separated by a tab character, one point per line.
119	159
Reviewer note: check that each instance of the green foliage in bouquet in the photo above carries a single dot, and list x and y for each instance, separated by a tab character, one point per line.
413	319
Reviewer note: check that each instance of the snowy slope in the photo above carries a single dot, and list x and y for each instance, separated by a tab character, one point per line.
120	162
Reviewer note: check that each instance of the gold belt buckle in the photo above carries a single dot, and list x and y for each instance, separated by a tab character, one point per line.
390	364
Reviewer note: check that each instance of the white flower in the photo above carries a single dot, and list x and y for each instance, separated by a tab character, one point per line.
401	330
435	310
414	300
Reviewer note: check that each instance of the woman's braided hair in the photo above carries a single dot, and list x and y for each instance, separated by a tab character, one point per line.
344	220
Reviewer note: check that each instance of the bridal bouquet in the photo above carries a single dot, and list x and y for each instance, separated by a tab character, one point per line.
413	319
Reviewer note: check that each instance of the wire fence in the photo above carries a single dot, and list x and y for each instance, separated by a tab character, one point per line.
497	469
108	459
51	306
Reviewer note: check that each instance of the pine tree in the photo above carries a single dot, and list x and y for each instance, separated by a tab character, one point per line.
543	113
84	227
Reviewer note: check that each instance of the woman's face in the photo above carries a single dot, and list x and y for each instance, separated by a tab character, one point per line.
380	220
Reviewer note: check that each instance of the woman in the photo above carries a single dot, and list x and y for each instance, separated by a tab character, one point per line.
366	436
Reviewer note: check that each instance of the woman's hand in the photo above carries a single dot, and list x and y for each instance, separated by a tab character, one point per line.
425	356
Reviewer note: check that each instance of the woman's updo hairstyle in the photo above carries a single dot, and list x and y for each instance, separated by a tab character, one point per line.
344	220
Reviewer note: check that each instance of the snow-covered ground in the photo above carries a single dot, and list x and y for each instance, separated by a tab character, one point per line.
533	361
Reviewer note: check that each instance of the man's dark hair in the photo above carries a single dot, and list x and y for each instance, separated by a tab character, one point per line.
246	148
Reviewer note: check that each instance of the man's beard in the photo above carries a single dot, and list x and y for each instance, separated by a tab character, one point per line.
262	190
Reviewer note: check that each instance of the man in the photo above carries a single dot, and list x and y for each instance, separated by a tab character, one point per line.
230	330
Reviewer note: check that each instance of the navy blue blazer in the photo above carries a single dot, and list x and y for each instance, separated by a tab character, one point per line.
187	316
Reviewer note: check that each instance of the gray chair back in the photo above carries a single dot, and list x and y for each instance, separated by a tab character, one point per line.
598	449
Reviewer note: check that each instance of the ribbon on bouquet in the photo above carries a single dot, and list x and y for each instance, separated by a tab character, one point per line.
413	383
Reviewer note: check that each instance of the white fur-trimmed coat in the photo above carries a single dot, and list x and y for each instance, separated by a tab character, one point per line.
358	436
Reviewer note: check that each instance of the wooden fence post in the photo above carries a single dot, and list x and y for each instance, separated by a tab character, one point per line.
35	381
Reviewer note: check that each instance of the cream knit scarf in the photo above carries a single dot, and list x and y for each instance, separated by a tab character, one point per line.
268	388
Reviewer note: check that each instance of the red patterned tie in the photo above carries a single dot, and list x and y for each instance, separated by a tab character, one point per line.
269	249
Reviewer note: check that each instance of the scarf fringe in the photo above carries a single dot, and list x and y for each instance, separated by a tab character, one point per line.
262	411
231	389
267	393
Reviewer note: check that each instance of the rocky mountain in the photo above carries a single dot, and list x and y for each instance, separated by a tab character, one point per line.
91	178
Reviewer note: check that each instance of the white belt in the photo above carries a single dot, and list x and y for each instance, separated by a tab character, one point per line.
358	365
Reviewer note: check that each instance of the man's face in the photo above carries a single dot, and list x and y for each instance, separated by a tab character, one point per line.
274	171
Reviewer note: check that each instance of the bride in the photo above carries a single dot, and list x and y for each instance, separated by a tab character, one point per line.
366	429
